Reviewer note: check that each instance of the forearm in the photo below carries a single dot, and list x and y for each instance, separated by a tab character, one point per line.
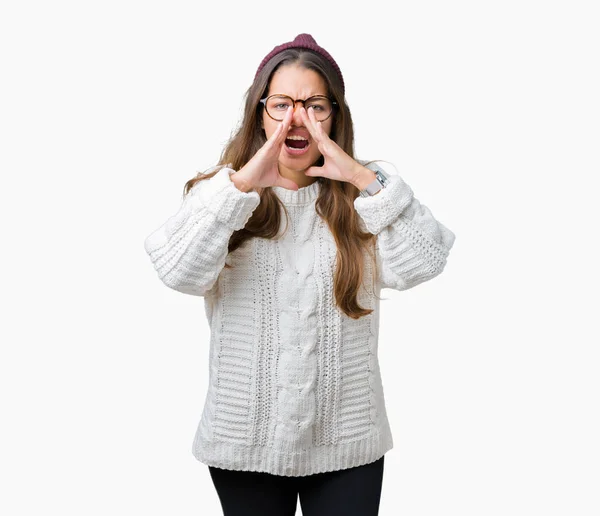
412	244
188	251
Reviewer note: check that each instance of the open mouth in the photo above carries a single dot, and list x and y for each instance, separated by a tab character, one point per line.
296	145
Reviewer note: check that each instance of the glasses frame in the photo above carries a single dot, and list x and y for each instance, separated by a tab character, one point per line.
264	101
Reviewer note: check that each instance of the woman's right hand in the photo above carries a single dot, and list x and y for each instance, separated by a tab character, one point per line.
263	170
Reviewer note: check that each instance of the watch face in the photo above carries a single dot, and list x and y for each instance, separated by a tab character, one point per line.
373	188
381	179
381	176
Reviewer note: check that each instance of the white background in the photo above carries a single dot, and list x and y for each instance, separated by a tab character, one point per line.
489	110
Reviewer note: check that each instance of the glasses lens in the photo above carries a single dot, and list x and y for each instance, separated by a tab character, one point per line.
321	107
278	104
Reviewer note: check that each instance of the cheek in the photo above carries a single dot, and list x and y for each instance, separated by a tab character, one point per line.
269	128
327	127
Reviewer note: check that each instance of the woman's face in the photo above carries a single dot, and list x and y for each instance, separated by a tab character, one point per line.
297	83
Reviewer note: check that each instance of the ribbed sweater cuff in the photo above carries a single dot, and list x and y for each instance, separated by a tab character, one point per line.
380	210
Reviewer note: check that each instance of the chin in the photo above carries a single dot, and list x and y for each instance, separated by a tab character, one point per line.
299	163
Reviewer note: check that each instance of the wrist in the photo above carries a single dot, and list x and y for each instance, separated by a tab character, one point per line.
241	183
363	177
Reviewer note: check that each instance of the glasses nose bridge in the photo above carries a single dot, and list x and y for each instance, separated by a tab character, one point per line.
296	101
296	113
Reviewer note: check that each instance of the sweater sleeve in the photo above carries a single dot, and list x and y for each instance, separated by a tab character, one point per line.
411	246
189	250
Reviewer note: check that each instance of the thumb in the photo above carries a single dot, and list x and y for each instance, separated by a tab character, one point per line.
314	172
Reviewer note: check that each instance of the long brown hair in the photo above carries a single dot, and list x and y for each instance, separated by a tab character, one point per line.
335	203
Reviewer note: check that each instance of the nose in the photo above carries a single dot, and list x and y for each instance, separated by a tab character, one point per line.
296	117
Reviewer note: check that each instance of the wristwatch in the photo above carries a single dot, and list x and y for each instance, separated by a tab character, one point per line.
380	181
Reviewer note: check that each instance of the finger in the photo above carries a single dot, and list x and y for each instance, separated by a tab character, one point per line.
318	127
280	132
287	122
321	131
275	134
318	133
315	172
309	124
284	126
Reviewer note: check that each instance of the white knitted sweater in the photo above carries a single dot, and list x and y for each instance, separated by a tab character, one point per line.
294	386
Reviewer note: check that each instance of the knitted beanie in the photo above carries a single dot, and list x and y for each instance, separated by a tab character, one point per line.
303	41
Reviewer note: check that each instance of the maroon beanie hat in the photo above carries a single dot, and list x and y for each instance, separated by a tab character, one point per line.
303	41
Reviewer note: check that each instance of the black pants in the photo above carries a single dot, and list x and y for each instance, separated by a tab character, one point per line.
348	492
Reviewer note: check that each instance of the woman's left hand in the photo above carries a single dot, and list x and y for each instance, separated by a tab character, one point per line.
337	164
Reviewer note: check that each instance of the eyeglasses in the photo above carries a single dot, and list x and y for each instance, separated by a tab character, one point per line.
277	104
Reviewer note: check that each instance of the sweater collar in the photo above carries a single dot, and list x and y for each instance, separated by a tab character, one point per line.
304	195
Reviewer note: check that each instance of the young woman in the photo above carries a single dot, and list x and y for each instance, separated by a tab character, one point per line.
290	240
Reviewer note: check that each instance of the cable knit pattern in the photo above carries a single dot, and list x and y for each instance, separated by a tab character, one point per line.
294	385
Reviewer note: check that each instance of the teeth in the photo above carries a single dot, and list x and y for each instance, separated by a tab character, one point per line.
297	138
